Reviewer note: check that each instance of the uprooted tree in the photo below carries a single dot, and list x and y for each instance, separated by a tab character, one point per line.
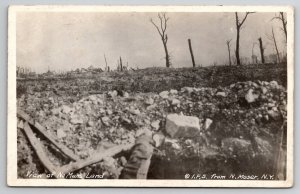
161	28
239	24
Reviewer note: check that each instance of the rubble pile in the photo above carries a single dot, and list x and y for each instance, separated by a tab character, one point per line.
195	129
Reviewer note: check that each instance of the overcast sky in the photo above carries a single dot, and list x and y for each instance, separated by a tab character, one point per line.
65	41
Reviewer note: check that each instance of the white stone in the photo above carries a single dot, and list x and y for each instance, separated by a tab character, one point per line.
264	90
251	96
105	119
135	111
223	94
172	91
109	112
232	85
149	101
182	126
113	93
65	109
164	94
155	124
125	95
274	84
90	123
75	121
189	90
175	101
207	123
60	134
254	84
93	98
158	139
143	131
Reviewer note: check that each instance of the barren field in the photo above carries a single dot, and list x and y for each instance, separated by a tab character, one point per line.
241	112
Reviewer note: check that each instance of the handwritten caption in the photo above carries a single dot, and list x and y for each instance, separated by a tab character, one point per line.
70	175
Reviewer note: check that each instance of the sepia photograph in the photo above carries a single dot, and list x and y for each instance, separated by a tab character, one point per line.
150	96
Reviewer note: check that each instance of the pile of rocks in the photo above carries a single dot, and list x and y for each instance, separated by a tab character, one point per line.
205	121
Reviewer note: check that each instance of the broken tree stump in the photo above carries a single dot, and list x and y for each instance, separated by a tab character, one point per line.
37	147
191	51
35	125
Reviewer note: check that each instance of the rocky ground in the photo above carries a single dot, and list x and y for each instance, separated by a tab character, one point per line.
230	128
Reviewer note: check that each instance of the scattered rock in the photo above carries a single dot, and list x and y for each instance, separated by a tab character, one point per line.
251	96
175	101
60	133
174	143
236	146
264	90
207	123
274	84
123	161
155	125
189	90
158	139
223	94
75	120
164	94
264	148
135	111
149	101
274	114
172	91
126	95
90	124
182	126
105	120
65	109
55	111
143	131
109	112
113	94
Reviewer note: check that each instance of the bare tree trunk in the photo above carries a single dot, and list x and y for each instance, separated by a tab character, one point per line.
238	28
105	62
121	65
284	24
237	47
162	32
261	50
228	47
275	44
167	54
191	51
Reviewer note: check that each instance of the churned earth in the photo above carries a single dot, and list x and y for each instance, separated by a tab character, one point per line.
238	132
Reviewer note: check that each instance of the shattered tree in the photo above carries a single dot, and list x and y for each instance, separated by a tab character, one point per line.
239	25
163	19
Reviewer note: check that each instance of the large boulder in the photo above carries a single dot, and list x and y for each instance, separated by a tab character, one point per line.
182	126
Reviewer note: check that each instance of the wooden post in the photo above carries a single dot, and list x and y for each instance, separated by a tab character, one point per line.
261	50
121	66
191	51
